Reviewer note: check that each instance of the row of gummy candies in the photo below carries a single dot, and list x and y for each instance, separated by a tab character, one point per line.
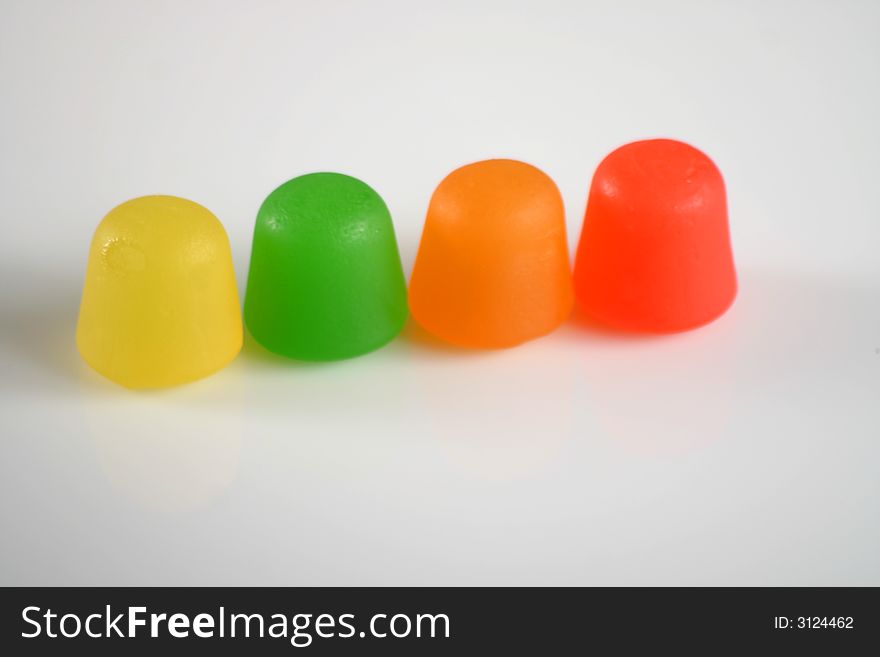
160	306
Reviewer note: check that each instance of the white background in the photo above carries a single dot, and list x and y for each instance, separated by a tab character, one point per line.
746	452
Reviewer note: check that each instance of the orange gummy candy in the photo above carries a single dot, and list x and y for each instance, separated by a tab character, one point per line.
492	268
654	254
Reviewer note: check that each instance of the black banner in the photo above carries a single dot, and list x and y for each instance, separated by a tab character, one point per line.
444	621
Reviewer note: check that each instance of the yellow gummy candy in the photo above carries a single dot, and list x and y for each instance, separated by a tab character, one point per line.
159	305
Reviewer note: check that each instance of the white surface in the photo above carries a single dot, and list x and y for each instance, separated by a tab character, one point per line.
747	452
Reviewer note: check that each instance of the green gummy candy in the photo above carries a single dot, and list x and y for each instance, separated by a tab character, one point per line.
325	278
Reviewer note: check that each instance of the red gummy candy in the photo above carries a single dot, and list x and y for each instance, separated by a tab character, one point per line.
654	253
